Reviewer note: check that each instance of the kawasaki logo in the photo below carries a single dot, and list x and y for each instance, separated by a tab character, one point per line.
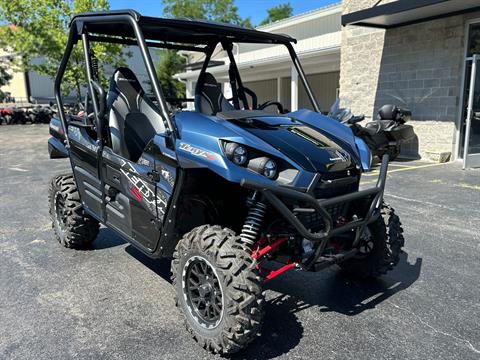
340	155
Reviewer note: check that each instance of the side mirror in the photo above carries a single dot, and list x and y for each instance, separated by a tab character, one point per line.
100	98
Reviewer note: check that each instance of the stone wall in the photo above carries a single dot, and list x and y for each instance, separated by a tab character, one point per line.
417	66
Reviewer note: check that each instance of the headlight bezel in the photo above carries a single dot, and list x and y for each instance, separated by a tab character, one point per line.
261	166
231	150
255	156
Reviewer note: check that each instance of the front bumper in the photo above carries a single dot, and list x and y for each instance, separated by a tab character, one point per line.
372	197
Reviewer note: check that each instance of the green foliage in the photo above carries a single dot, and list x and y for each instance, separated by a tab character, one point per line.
170	64
278	12
213	10
5	78
39	30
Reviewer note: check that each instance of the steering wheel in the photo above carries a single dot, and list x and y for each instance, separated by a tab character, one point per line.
270	103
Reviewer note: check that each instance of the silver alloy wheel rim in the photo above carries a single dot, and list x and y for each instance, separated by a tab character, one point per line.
192	308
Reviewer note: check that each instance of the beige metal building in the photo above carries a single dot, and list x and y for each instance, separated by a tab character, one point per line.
17	87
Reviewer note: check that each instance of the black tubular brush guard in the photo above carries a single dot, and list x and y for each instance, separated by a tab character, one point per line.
375	195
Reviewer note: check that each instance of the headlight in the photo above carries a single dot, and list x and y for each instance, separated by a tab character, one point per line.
236	153
264	166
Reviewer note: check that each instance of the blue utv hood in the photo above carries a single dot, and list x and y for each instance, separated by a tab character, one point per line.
313	148
309	141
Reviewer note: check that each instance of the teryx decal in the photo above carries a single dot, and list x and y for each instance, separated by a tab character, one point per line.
135	192
142	191
197	152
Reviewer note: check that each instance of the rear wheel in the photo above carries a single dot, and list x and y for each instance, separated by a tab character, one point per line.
73	227
218	289
380	247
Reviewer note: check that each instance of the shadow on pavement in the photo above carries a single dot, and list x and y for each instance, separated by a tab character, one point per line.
282	331
350	297
353	297
107	239
329	291
160	267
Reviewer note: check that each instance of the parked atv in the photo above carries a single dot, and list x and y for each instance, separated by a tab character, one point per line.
17	116
6	115
385	135
40	114
222	189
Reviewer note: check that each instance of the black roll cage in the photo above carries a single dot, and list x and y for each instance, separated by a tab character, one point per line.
103	25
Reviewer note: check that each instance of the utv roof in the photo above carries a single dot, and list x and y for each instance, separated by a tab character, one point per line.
185	30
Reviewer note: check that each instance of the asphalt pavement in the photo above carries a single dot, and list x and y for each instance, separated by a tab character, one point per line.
111	302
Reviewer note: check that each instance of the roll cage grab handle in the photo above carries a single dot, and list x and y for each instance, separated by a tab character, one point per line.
78	30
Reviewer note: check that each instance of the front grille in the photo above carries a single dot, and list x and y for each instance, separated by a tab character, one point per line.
336	183
314	221
330	185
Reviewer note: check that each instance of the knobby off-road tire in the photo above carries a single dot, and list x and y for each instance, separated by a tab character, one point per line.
237	280
72	226
385	242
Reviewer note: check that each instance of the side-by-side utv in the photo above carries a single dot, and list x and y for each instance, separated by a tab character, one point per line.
234	191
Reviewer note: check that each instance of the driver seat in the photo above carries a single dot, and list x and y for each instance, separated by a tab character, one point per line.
209	98
133	119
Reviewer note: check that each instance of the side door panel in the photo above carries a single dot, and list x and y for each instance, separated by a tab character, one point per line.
131	199
84	159
168	190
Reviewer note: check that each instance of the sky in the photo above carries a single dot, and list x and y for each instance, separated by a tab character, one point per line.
255	9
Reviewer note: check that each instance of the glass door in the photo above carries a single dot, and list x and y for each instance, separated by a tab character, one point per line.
470	135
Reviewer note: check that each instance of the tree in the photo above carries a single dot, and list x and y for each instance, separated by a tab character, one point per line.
215	10
170	64
37	36
278	12
5	78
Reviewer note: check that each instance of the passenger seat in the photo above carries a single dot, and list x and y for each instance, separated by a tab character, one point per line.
209	98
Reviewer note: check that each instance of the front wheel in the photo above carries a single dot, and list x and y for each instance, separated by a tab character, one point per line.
218	289
380	247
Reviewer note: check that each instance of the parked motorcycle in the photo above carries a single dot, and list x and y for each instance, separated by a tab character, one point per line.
40	114
385	135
